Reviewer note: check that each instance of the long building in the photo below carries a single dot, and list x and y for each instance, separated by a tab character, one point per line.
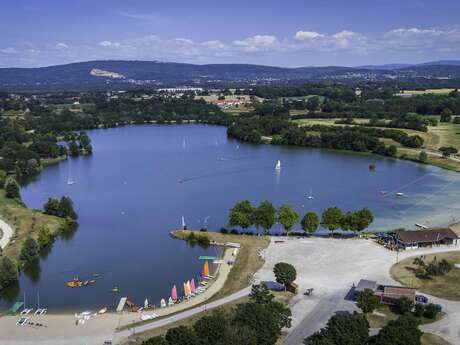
425	238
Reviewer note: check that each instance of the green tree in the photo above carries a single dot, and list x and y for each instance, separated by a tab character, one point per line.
212	329
310	222
312	104
241	214
343	330
265	320
431	311
287	217
12	189
29	251
51	207
285	273
3	177
45	238
447	151
402	331
159	340
181	336
332	218
367	301
66	208
264	216
446	115
9	272
404	305
423	157
74	149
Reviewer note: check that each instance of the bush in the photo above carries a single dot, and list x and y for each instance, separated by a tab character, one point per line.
223	230
9	272
12	189
432	310
419	309
404	305
367	301
45	238
234	232
29	251
203	241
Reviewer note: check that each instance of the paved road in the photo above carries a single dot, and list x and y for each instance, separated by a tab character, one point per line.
318	317
7	233
183	315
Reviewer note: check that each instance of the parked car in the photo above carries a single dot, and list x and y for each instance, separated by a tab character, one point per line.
421	299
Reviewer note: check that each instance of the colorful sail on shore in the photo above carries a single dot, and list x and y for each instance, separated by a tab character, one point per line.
192	285
206	269
185	290
174	293
163	303
189	290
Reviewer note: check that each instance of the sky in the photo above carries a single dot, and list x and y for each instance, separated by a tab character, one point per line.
287	33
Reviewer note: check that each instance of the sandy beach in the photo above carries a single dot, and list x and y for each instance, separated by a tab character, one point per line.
5	234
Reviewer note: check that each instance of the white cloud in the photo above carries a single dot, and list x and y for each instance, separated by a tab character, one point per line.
257	43
109	44
8	50
427	38
307	35
62	45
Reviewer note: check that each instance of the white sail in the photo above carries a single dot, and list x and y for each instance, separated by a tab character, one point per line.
70	181
183	222
278	165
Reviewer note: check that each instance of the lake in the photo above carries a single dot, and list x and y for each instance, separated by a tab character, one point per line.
141	180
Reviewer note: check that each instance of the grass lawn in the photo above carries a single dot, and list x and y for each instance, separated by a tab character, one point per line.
247	262
447	286
431	339
383	314
24	222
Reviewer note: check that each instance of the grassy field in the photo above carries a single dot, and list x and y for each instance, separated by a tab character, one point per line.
24	222
447	286
445	134
247	263
428	91
431	339
383	314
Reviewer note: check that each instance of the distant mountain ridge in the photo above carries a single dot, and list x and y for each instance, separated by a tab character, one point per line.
120	73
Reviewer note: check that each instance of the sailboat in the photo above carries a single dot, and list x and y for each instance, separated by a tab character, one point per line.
310	196
184	226
278	165
69	177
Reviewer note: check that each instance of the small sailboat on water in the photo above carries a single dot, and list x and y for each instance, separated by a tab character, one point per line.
310	196
184	226
70	181
278	165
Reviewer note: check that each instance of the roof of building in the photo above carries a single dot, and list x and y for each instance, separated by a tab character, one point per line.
424	236
365	284
398	291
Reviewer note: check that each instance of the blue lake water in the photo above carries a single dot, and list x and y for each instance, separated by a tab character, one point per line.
128	197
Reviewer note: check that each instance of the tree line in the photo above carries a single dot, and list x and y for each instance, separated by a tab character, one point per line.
256	322
265	216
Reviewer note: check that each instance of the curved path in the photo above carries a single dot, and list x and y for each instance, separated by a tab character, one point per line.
7	233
